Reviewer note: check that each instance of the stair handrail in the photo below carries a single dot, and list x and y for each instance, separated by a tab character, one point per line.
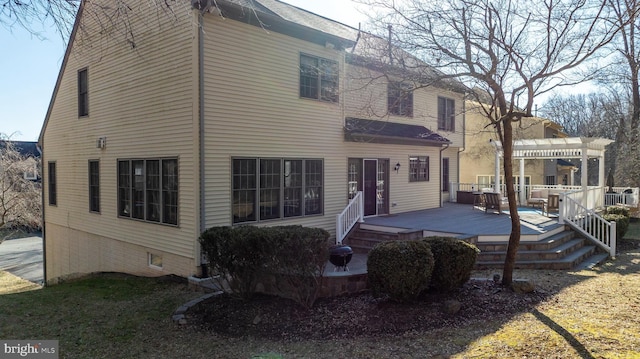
587	222
352	214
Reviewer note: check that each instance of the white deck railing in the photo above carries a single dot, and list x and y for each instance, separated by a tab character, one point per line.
352	214
586	221
622	195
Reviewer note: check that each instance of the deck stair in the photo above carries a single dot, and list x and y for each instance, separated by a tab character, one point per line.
564	250
362	240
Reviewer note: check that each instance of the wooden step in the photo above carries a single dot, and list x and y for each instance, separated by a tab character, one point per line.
568	262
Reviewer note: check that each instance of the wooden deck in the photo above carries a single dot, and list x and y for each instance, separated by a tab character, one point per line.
465	219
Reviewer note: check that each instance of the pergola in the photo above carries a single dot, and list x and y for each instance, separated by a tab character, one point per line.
556	148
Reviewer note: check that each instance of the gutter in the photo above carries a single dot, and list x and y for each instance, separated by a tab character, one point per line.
44	237
201	180
464	134
442	149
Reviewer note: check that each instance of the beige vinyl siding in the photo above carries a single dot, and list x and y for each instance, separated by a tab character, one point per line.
408	196
144	101
366	97
261	115
478	158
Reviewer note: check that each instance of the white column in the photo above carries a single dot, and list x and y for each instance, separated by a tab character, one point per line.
497	173
601	178
572	177
584	176
522	187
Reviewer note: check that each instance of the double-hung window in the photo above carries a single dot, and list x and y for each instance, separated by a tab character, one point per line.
318	78
446	114
275	188
399	99
94	186
148	189
83	93
418	168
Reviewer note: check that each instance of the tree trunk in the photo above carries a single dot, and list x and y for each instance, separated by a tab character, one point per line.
514	237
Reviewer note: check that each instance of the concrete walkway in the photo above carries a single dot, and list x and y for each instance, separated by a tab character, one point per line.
22	257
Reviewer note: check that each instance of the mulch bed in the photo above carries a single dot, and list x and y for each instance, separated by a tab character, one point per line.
358	315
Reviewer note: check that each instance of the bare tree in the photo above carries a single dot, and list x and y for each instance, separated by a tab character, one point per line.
20	194
27	13
510	50
623	75
601	114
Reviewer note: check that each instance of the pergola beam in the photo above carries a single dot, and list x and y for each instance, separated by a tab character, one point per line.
559	148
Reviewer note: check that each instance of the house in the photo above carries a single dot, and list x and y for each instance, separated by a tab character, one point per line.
233	114
477	161
27	150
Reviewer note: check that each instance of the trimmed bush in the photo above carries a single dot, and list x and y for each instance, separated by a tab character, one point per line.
244	255
399	269
618	210
454	261
622	223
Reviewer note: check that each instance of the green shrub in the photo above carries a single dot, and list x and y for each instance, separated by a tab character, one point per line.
301	254
454	261
237	254
622	224
618	210
243	256
399	269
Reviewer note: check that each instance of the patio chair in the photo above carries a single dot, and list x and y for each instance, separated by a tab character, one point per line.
493	201
552	204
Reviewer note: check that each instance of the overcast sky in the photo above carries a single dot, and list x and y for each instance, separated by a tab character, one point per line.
29	68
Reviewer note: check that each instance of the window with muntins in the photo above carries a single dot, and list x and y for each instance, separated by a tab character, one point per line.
418	168
318	78
399	99
53	192
446	114
94	186
148	190
275	188
83	93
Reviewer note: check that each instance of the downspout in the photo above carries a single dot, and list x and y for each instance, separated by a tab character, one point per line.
464	139
201	139
44	237
440	189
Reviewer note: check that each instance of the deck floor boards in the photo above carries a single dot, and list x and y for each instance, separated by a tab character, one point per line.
466	219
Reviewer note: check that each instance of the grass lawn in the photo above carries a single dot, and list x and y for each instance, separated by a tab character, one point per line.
592	314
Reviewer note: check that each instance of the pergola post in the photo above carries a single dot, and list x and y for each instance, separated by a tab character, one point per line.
573	176
522	189
584	175
497	173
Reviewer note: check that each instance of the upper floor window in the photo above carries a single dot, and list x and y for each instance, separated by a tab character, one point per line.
271	188
148	189
318	78
399	99
446	114
418	168
83	93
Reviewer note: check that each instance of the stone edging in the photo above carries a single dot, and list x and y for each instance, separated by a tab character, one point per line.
179	314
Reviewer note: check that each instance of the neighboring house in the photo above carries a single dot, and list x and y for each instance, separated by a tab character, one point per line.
477	161
147	144
29	151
